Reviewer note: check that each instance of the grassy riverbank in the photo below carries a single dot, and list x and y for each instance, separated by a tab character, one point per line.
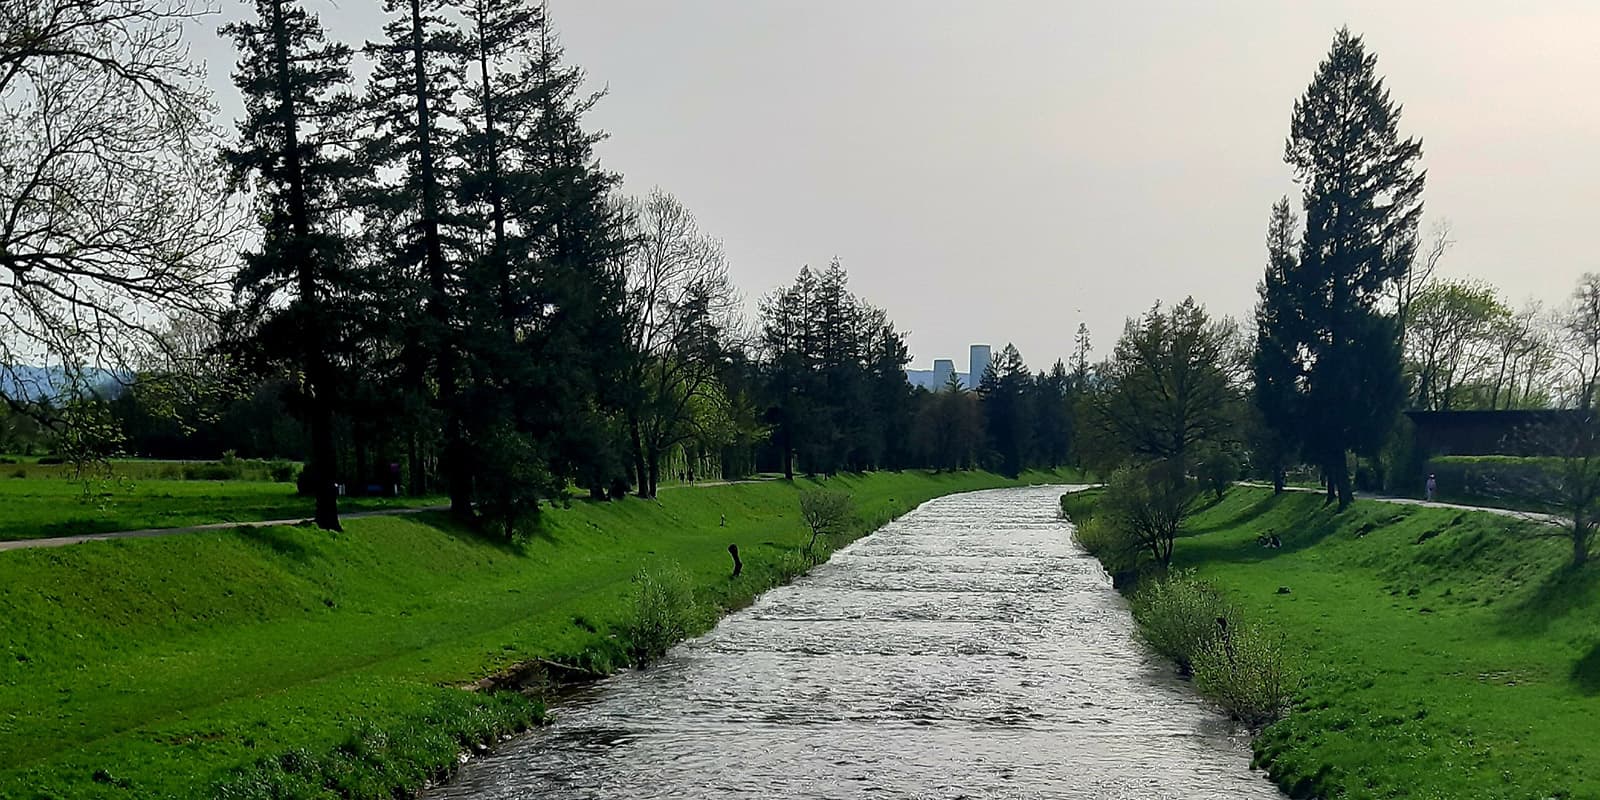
1447	654
164	667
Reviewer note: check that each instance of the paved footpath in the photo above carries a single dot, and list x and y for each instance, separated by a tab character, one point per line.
1535	516
62	541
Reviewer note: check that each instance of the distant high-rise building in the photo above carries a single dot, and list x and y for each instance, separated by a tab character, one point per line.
943	368
978	361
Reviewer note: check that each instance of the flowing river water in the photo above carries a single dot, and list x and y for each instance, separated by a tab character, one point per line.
966	650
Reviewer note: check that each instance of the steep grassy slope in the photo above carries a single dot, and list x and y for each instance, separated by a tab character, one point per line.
1447	654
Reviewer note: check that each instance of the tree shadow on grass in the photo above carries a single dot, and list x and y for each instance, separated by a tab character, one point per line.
1298	532
1586	672
442	522
282	540
1563	591
1243	516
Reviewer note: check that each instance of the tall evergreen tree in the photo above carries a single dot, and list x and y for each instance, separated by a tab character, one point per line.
1276	369
292	149
578	331
413	87
1005	387
1362	197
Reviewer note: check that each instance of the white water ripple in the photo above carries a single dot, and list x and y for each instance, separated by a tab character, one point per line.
967	650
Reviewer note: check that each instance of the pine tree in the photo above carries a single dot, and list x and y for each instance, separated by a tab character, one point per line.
1004	389
292	149
1362	198
413	88
577	298
1276	370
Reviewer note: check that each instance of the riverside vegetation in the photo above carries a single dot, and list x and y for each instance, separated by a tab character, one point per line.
1440	653
288	663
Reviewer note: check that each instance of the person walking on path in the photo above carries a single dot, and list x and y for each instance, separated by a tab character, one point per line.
1433	486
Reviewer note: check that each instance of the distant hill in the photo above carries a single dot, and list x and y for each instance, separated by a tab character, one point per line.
46	383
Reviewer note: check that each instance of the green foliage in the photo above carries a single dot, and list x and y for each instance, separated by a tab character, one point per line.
1178	616
1005	389
1449	327
1166	392
834	377
1328	358
1248	672
511	479
283	471
665	612
1116	551
1146	506
1216	470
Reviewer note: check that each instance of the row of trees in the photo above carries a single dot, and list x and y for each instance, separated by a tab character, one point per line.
425	275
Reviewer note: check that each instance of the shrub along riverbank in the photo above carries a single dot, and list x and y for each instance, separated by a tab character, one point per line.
289	662
1441	653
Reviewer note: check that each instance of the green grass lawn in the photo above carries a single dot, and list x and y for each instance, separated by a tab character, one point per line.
161	667
33	508
1448	654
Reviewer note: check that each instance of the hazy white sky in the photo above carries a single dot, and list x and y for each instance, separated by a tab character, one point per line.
998	171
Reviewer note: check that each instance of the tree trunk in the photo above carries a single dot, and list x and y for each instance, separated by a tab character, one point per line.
640	470
1580	539
315	360
1342	484
417	478
788	455
323	471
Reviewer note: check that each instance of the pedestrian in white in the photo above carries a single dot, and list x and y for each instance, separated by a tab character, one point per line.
1433	486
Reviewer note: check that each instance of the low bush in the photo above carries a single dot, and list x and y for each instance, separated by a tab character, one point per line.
1116	551
1246	672
826	513
283	471
665	612
1178	616
792	564
1216	470
46	461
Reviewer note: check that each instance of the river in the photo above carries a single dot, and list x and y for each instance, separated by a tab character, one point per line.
966	650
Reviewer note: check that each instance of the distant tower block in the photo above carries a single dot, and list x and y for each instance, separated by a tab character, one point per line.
943	368
978	361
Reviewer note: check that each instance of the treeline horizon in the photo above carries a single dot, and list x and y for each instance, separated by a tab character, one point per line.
445	289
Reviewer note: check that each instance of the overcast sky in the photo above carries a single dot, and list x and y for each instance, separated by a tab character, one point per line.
998	171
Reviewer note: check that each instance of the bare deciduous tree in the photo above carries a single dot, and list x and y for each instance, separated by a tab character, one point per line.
113	208
1579	332
1424	262
825	513
683	309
